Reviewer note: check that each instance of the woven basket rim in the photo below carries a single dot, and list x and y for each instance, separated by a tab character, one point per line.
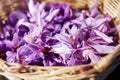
45	71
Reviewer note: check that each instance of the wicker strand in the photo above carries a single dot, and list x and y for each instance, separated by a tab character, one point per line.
112	7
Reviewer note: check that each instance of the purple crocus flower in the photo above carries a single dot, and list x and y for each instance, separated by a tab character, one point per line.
59	12
23	55
10	25
50	34
28	54
12	46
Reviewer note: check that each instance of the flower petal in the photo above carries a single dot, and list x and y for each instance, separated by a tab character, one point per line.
104	36
103	49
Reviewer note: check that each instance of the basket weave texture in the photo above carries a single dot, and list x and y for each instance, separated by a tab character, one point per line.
110	7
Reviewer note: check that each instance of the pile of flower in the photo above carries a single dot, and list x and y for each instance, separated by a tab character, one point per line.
52	34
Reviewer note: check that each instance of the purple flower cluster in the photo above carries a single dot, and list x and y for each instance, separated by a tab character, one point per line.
52	34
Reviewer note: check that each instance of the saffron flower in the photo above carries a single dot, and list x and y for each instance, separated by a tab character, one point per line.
52	34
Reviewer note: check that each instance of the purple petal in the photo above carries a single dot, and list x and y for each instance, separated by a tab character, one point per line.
62	38
9	44
103	20
94	10
103	49
11	57
15	39
15	16
61	49
89	21
104	36
94	58
52	15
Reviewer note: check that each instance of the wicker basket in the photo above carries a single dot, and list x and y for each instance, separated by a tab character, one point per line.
110	7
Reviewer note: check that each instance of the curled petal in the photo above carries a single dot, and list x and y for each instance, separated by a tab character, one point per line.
103	49
104	36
